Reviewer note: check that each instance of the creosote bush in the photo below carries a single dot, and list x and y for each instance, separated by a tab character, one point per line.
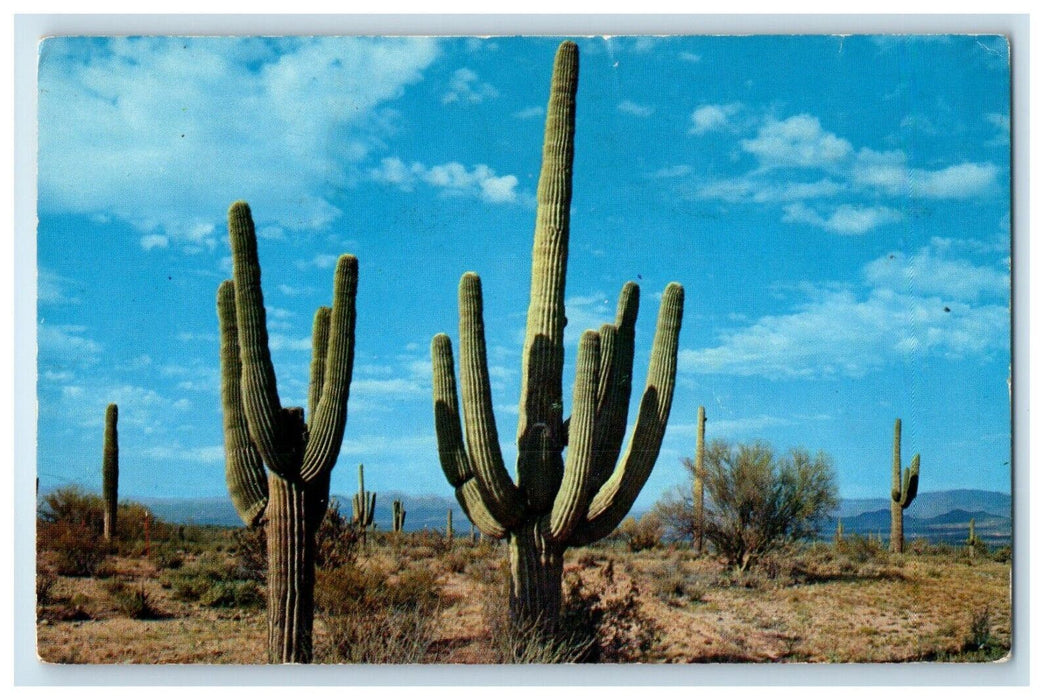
641	534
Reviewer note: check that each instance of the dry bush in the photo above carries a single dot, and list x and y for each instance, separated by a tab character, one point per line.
370	617
250	550
132	601
337	540
641	534
78	550
675	586
607	618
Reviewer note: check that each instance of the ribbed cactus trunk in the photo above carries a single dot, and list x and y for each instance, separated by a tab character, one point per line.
290	494
290	545
903	489
556	502
110	474
698	485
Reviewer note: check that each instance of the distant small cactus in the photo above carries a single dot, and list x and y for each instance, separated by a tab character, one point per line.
397	516
903	489
110	473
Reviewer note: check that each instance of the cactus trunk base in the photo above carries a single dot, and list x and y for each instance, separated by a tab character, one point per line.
290	577
897	532
536	581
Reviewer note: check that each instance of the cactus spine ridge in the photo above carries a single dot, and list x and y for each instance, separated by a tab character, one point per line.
903	489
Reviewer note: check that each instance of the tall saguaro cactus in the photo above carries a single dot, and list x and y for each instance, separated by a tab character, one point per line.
698	485
903	489
110	463
555	503
298	448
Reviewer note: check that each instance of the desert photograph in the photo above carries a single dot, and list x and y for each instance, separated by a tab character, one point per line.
524	350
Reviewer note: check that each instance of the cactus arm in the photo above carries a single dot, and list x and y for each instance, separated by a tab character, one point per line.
912	481
330	416
615	391
501	496
245	475
895	474
571	501
451	451
543	352
258	382
322	322
615	498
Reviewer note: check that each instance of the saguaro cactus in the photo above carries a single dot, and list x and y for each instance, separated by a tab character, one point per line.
698	485
299	449
109	474
554	504
903	489
449	532
973	540
364	503
397	517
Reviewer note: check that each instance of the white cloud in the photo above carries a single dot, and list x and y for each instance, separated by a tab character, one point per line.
52	288
689	57
64	345
164	132
209	454
798	141
845	219
1002	126
466	87
279	341
589	312
153	240
634	109
888	172
843	332
931	271
706	118
450	179
756	189
672	171
530	112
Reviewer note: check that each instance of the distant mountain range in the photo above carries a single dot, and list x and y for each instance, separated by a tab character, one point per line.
940	516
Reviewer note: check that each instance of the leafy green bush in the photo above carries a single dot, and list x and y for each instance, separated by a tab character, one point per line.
79	550
133	601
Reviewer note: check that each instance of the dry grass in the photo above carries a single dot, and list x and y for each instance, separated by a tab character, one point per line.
820	606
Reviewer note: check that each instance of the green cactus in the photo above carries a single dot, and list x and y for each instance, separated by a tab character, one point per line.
397	517
839	533
554	504
110	474
698	485
364	503
449	532
903	489
299	449
975	544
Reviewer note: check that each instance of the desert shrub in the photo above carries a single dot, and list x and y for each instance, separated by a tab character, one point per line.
132	601
45	586
370	617
861	550
193	581
758	503
79	551
674	585
72	506
605	620
337	540
233	594
641	534
980	630
168	558
1003	554
250	550
456	561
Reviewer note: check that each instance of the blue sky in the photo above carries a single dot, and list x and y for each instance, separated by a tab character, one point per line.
837	208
